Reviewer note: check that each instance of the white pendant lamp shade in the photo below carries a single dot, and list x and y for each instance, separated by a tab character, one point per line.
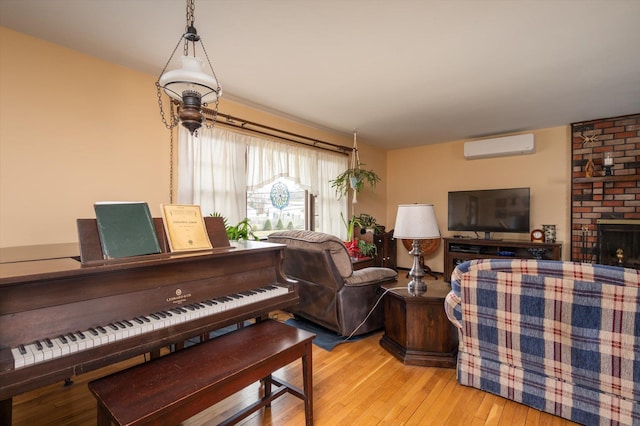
416	222
190	77
189	86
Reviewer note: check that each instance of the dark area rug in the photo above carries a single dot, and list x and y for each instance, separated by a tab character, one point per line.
214	334
326	339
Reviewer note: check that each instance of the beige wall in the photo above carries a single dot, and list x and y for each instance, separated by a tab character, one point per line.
425	175
75	129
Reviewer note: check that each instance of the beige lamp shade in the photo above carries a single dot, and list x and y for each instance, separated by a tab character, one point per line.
416	222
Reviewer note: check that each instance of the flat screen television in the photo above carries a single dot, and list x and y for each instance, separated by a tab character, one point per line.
490	210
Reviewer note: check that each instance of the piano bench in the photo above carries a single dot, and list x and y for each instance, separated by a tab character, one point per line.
173	388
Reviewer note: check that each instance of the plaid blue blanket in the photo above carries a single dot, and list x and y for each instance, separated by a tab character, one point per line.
558	336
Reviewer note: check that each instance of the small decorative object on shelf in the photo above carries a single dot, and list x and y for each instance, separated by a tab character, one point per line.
537	252
537	236
589	167
549	233
608	164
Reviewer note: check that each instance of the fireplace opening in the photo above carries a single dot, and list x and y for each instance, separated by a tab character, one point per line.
618	243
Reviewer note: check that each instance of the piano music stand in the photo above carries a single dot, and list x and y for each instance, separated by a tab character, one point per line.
91	249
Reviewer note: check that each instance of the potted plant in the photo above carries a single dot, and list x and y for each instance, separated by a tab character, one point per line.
367	249
352	242
355	177
368	223
368	227
241	231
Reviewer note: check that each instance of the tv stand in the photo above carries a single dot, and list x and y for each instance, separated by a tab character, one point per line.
458	250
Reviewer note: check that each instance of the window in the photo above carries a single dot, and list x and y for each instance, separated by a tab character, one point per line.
281	204
234	174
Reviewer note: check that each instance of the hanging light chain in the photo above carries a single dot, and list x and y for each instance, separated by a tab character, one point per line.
174	120
171	167
210	122
191	8
219	89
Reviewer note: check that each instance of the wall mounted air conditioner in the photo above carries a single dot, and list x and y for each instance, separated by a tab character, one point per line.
498	147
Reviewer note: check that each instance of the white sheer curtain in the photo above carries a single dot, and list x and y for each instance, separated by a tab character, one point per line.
268	160
216	169
330	208
211	172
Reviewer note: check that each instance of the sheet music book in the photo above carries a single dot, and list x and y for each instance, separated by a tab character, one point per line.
125	229
185	227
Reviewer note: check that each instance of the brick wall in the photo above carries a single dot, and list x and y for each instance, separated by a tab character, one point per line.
603	197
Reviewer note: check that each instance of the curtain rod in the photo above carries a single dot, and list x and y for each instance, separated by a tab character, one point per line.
241	123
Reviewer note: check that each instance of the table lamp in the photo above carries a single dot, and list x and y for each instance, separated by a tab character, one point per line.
416	222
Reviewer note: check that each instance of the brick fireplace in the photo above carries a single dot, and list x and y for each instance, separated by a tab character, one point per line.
618	243
613	200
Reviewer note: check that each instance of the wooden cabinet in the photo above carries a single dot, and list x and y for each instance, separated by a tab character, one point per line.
458	250
386	245
416	328
363	262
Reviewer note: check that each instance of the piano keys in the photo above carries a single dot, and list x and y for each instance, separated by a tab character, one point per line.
53	347
60	318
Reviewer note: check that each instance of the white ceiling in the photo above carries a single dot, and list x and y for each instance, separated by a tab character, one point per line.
402	72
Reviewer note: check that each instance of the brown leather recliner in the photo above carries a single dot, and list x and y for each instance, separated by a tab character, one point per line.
332	294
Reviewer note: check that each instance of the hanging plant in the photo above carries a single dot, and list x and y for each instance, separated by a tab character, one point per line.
355	177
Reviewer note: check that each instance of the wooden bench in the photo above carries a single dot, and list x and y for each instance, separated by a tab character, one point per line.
174	387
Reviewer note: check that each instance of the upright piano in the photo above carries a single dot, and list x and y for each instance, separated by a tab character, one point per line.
60	317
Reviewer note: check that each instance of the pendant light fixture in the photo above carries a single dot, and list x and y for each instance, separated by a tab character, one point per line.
191	86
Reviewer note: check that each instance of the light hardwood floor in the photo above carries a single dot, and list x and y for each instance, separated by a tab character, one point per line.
357	383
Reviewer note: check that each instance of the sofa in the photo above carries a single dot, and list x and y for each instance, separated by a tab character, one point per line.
560	337
332	294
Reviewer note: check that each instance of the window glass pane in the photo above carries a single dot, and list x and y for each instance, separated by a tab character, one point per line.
276	206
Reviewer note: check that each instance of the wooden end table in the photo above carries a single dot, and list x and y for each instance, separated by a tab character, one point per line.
416	328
